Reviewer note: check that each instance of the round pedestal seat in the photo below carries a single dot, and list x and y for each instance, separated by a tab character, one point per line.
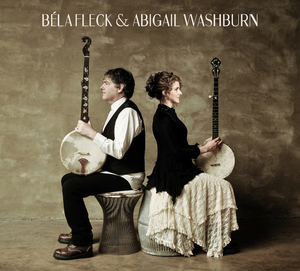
118	232
147	245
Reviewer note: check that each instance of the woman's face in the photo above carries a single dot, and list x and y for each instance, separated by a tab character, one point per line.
174	95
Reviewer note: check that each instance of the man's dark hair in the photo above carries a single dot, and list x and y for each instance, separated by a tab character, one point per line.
121	76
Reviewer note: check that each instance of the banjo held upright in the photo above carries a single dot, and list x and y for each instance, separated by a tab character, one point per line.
78	153
221	161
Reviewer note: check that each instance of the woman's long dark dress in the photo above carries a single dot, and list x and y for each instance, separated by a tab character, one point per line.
174	167
187	206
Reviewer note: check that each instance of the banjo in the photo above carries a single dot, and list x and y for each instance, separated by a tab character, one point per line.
78	153
219	162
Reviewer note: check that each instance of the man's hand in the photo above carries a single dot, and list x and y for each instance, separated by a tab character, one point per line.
85	129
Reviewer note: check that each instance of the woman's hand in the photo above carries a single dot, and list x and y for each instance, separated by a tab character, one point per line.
210	145
85	129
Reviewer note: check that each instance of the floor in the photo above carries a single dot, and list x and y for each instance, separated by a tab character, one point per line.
265	244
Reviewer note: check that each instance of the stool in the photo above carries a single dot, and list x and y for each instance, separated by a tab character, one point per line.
118	232
148	245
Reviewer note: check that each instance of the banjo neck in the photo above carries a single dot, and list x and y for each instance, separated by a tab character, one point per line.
215	112
85	82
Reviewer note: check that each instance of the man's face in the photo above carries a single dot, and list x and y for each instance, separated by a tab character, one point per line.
110	92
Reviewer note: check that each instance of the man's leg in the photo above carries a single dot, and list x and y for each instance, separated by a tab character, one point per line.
75	188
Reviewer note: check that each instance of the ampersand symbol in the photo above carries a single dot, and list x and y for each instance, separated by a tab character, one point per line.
120	20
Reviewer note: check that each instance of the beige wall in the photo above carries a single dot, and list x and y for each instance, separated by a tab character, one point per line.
41	70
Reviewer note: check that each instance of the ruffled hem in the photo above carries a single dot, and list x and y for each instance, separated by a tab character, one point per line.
170	176
205	214
181	238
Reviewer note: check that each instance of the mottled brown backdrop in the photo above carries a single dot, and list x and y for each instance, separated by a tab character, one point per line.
41	71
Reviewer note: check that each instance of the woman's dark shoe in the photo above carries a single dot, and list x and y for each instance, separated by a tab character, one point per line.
231	248
72	252
65	238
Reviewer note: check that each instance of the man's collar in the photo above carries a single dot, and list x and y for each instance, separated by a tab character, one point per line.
118	103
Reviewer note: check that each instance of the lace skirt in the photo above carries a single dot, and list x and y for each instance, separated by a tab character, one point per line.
204	213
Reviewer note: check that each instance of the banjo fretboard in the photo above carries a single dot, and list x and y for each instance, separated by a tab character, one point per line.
215	117
215	112
85	82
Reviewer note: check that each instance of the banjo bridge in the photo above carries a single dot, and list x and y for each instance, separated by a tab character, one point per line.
215	165
83	153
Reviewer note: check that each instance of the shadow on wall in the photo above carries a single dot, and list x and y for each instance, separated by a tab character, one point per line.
261	193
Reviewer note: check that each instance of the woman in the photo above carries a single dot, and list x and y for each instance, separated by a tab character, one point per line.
187	205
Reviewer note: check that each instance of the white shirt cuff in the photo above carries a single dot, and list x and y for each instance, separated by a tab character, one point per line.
99	140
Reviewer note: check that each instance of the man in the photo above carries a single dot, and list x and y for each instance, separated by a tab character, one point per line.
123	140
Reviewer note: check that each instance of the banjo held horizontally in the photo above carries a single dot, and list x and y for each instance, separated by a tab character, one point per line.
78	153
221	161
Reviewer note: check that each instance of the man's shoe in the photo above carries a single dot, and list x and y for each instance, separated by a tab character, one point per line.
72	252
65	238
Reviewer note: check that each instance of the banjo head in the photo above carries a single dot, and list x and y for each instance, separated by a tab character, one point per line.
218	163
80	155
